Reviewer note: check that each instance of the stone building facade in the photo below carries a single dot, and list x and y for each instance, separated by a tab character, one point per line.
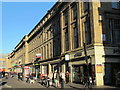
66	29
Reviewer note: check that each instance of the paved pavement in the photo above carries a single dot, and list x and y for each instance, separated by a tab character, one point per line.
14	84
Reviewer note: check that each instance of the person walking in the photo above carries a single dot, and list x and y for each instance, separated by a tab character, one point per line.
62	76
18	76
57	79
67	77
6	75
28	78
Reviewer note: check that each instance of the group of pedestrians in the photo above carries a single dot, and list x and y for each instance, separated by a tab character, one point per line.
4	74
57	79
30	78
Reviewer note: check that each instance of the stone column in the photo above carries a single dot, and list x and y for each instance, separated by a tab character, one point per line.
62	34
49	68
26	51
69	29
98	46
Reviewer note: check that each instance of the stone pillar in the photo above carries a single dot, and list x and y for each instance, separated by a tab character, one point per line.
79	21
99	65
26	51
42	67
98	43
62	34
69	29
49	68
71	73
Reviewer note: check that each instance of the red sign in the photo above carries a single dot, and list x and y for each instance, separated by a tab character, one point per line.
2	69
38	55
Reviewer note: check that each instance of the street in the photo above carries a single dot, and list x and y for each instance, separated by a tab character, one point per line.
14	84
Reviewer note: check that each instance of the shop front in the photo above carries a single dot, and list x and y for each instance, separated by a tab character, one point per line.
80	72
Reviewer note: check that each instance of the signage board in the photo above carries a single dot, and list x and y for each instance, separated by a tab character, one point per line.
26	71
67	57
99	68
38	55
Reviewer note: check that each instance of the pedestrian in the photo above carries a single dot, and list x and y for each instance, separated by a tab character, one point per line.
38	76
67	77
62	76
31	79
57	79
21	76
6	75
18	76
28	78
86	79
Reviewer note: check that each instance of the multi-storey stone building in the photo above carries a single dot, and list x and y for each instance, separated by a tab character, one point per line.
66	29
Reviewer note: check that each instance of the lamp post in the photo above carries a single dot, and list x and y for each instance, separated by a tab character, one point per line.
86	58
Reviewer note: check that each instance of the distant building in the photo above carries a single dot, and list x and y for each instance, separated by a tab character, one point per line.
63	31
2	64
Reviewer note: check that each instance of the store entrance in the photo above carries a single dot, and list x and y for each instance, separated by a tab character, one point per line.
111	70
79	73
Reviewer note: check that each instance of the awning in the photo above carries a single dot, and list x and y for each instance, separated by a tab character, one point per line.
28	64
111	56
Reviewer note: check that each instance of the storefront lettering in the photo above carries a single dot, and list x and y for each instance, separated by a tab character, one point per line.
77	54
116	51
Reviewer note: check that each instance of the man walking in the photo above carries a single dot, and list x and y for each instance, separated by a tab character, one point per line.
67	77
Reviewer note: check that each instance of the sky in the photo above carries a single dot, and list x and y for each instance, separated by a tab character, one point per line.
18	19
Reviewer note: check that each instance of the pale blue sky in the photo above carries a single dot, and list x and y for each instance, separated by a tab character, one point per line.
18	19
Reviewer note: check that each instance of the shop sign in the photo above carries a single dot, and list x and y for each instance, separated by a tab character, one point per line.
67	57
38	55
14	64
26	71
99	68
1	69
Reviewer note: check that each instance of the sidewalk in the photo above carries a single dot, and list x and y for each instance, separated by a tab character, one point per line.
74	85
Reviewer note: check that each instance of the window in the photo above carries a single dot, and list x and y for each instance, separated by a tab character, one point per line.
51	31
66	39
115	30
51	49
74	26
87	30
86	6
44	52
76	42
116	5
65	18
47	51
74	11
